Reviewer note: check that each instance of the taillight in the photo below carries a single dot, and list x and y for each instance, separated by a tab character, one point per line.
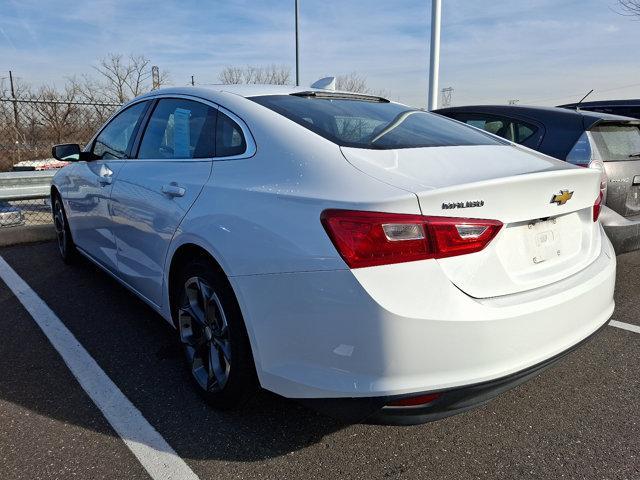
597	207
365	239
415	401
599	165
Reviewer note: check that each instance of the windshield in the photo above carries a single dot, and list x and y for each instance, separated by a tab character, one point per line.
617	141
373	124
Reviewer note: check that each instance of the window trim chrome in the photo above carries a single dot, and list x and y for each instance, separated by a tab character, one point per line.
249	152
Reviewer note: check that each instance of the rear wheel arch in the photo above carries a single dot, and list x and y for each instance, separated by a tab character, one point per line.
191	261
183	254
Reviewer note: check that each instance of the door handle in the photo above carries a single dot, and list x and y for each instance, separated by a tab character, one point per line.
173	190
104	178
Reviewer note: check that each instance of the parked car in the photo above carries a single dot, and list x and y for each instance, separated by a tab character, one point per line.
625	108
10	215
371	260
608	143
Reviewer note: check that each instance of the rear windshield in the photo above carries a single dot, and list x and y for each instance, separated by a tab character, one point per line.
617	142
373	124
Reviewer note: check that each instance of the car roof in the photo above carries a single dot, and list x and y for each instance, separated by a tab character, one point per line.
211	92
631	102
542	114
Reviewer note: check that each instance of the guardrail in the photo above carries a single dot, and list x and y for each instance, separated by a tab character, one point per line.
25	185
24	199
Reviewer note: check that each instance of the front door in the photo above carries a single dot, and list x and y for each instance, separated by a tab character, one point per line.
91	182
153	192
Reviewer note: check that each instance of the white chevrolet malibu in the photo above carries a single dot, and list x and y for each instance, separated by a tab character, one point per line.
377	262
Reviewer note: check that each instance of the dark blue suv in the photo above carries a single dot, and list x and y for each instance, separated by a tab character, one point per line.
597	140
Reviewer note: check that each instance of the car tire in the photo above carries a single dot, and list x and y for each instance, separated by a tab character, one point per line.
213	335
66	247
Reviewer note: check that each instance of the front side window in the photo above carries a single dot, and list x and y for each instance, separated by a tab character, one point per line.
616	141
179	129
372	123
115	139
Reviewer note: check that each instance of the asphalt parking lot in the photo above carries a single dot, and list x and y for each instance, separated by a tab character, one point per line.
579	419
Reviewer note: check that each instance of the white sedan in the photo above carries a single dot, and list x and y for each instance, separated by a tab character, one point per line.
377	262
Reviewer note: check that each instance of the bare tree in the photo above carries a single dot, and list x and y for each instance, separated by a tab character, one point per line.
11	124
57	112
630	8
352	82
256	74
125	78
21	88
231	75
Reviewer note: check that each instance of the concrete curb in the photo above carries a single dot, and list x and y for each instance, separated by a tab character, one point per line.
26	234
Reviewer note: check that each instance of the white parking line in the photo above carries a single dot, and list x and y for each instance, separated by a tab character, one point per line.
150	448
625	326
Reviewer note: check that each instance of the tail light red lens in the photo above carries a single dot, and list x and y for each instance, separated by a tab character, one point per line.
604	179
366	239
597	207
415	401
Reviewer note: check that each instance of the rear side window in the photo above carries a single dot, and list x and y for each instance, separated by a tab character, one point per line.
512	129
114	140
179	129
580	153
372	124
230	140
616	141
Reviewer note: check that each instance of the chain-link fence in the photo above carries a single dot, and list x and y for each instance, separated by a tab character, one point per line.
29	127
17	213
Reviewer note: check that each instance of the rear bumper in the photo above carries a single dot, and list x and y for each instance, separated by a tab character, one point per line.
451	402
624	232
405	329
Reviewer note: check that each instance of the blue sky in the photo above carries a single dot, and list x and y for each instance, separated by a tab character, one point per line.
539	51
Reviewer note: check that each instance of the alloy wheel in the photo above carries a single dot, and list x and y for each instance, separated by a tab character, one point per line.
204	333
60	226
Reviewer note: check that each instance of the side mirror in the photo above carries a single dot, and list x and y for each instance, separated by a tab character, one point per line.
68	152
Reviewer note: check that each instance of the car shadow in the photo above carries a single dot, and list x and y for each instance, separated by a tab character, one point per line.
139	351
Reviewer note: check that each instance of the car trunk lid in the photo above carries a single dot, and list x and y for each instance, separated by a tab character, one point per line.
541	241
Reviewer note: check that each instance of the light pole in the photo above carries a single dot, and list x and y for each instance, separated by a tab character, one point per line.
297	47
434	57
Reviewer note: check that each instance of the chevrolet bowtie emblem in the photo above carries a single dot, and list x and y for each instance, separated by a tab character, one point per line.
563	197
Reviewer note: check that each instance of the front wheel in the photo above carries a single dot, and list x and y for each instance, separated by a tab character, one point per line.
213	336
66	247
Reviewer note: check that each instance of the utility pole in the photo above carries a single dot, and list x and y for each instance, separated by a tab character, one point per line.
446	96
434	57
16	124
193	83
297	46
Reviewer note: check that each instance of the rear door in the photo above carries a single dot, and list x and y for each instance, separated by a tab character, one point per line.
154	191
618	146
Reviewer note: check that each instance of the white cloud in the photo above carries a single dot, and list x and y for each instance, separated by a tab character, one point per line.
540	50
